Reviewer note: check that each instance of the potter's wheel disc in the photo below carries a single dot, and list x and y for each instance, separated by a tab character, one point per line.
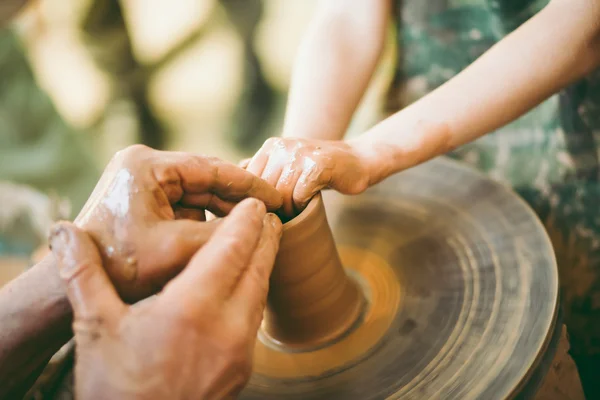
478	290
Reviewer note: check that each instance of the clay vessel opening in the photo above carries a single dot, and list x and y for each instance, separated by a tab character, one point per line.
311	299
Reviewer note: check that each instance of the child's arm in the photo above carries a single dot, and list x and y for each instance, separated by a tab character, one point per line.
335	63
558	46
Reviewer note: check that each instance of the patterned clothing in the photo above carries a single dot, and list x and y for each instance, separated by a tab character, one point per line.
550	156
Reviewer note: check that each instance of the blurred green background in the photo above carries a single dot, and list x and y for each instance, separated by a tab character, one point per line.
81	79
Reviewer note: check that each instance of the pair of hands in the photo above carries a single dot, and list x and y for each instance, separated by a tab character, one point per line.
193	340
144	231
145	225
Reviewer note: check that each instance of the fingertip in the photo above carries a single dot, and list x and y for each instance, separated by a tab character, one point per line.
255	204
276	202
300	204
274	222
263	190
249	207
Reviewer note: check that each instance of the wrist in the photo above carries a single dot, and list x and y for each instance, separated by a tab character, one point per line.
402	142
375	160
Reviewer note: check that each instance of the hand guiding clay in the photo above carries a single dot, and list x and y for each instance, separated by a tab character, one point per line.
299	168
195	339
147	212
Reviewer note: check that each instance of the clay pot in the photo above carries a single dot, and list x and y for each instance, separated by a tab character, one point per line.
311	299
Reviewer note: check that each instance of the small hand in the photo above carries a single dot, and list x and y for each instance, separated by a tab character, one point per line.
195	339
299	168
147	216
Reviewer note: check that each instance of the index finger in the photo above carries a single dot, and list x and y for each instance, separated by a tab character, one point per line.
215	270
250	297
201	174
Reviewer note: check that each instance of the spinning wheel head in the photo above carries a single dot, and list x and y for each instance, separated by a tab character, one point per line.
440	284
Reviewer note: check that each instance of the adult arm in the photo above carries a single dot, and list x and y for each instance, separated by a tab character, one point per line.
147	217
335	62
35	317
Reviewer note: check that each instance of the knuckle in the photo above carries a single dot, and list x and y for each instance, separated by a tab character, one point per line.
298	146
71	273
209	160
270	142
90	327
236	248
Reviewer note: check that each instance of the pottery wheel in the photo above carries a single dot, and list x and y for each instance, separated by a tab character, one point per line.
461	288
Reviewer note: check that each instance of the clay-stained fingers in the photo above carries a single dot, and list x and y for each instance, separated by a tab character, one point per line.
279	157
208	201
286	184
250	296
215	270
257	164
89	289
308	184
171	245
201	174
273	170
194	214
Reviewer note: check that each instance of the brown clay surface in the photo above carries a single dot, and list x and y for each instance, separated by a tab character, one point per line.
461	287
382	291
311	300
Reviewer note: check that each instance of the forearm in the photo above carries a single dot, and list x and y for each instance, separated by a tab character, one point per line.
335	63
35	317
555	48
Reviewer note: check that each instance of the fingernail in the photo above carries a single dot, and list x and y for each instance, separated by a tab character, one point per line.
259	206
273	220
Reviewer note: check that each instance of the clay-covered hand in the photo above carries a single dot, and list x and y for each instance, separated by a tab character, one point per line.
195	339
299	168
147	212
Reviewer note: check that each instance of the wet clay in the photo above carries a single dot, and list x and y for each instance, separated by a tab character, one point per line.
312	301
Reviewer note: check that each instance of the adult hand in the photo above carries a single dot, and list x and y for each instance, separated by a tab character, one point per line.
147	217
299	168
195	339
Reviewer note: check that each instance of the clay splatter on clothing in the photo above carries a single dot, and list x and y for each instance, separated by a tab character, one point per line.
550	156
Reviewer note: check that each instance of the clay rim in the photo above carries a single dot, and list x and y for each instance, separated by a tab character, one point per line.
311	210
308	211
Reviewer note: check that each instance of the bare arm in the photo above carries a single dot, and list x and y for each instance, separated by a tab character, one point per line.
335	63
35	316
558	46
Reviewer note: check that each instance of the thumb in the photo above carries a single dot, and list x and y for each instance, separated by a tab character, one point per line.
89	289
